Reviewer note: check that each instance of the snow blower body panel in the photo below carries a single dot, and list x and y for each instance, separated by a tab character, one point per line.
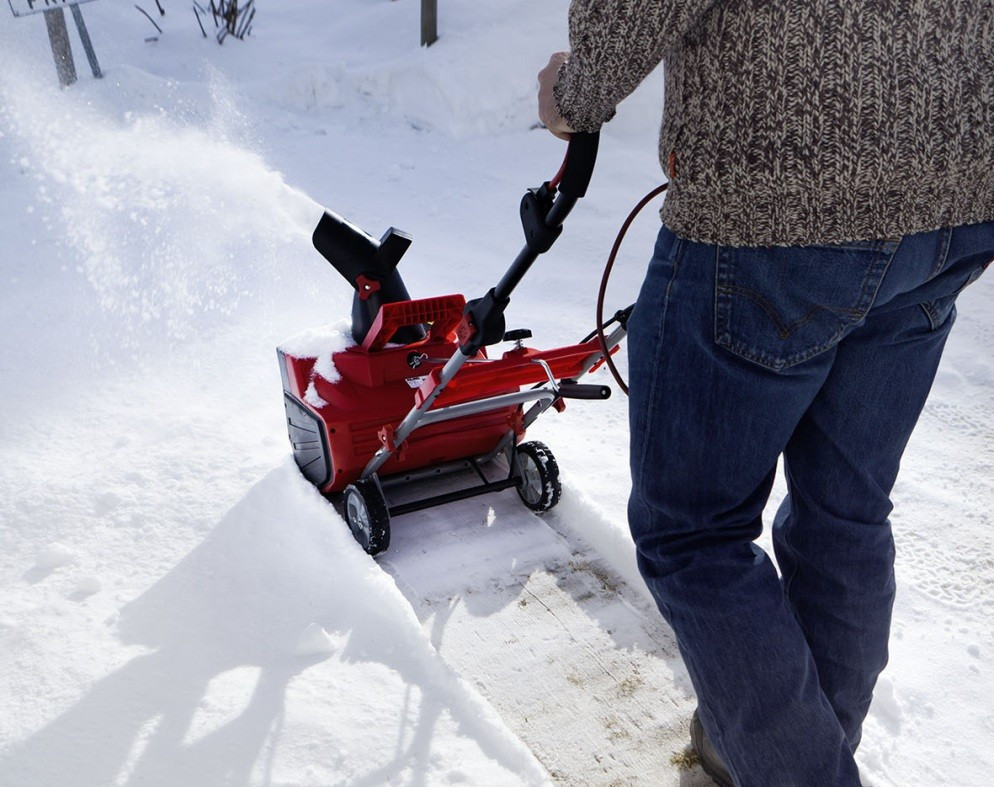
336	426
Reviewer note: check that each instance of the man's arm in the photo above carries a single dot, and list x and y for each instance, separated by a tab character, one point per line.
615	44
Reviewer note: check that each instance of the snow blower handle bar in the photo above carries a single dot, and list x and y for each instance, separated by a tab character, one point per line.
543	211
578	166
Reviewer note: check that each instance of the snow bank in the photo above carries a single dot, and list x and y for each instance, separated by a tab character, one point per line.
339	668
460	86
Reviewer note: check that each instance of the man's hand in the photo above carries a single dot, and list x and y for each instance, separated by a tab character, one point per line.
548	110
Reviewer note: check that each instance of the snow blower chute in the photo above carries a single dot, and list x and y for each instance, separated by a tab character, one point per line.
418	396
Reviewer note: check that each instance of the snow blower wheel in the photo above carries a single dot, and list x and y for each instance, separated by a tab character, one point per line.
540	488
367	515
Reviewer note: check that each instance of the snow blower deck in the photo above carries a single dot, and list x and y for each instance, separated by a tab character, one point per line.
419	396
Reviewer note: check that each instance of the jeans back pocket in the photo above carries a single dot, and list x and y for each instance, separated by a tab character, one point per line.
779	306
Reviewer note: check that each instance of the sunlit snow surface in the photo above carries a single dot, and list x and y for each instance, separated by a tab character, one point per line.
179	607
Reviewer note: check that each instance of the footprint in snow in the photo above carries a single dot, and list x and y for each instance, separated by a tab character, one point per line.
87	586
52	557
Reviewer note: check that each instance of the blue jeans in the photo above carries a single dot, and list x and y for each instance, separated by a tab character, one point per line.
822	354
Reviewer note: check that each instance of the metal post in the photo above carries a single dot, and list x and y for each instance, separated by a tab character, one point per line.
84	36
58	35
429	22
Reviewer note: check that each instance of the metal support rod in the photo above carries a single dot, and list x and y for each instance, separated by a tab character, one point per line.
451	497
613	339
429	22
410	422
84	36
420	416
58	35
545	395
433	471
513	479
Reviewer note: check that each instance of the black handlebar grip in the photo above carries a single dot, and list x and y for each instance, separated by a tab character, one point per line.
568	390
580	159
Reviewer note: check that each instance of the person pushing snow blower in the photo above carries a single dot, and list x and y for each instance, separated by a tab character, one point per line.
831	192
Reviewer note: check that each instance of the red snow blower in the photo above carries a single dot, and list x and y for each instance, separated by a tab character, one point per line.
418	395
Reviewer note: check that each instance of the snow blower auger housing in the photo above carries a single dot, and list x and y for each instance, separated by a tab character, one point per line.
418	395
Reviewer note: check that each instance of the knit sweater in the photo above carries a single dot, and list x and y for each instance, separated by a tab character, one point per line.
801	121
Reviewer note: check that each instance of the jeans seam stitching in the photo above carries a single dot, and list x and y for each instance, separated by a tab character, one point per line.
720	303
659	333
785	330
931	313
793	557
946	237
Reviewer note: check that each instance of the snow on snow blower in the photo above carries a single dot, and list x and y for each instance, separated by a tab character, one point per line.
418	395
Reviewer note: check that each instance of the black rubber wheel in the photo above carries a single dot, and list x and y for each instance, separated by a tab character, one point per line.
367	515
540	489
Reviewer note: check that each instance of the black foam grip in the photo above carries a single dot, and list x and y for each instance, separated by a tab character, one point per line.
579	391
580	159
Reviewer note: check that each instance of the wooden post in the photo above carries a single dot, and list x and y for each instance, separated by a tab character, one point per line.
58	35
429	22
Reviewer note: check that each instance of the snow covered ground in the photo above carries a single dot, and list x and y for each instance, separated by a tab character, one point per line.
178	607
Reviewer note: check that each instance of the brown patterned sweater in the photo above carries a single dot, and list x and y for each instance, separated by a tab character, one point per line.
801	121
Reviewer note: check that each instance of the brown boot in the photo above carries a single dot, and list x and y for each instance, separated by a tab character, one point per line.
710	761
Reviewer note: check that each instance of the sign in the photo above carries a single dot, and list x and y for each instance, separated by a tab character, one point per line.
27	7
